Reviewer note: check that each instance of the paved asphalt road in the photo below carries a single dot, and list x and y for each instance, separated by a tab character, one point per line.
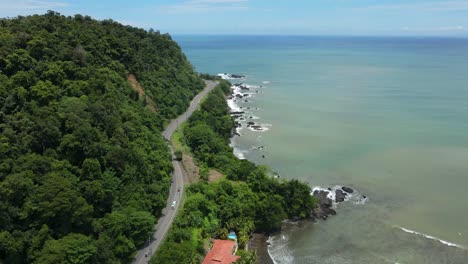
168	213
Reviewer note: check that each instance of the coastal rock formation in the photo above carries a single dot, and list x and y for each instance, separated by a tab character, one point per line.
347	189
227	76
340	196
237	76
324	208
328	198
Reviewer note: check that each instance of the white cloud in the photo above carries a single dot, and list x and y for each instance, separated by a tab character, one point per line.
200	6
29	5
440	6
435	29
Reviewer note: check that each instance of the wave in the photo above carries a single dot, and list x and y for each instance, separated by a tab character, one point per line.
260	127
233	106
430	237
278	249
235	102
240	154
227	76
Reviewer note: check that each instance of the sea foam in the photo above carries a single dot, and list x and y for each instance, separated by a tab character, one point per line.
279	250
430	237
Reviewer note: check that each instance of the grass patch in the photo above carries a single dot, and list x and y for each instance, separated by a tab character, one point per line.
177	139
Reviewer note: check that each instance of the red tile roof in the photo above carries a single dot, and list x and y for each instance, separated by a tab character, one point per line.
221	253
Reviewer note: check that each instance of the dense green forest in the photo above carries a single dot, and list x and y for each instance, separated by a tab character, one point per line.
84	170
248	200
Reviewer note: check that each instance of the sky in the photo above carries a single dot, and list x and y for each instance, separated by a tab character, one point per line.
273	17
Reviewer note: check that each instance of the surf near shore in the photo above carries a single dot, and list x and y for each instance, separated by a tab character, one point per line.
246	117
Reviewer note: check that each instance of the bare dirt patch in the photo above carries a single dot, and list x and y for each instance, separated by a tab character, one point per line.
141	93
214	175
191	169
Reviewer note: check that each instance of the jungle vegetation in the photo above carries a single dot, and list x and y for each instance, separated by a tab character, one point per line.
84	170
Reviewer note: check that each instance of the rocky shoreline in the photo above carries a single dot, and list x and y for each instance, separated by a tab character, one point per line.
328	199
243	116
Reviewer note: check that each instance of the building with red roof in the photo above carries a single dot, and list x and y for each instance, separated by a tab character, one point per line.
222	252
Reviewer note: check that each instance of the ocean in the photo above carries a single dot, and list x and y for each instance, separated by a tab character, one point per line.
387	116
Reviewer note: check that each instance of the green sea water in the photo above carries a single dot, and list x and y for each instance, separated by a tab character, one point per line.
386	116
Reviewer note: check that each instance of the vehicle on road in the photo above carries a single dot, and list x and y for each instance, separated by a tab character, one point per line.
173	204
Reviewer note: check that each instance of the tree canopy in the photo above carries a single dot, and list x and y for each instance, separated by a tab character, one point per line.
84	169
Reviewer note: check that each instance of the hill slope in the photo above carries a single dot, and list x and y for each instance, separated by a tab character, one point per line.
83	166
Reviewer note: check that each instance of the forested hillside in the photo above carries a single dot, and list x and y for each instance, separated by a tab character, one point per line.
83	167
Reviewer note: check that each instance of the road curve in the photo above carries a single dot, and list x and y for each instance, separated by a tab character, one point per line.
168	213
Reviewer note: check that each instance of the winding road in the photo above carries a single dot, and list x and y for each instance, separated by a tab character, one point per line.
168	214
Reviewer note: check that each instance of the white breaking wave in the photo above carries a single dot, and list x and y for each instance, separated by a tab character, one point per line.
430	237
240	154
252	86
233	106
266	82
227	76
263	128
279	250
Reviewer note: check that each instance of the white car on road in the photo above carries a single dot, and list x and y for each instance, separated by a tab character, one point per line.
173	204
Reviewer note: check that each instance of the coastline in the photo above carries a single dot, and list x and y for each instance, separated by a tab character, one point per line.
259	243
244	117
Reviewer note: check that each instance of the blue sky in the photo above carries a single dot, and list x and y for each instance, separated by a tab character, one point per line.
288	17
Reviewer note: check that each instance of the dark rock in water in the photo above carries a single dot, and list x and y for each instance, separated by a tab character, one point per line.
236	113
322	198
347	189
237	76
324	207
323	210
244	88
329	211
250	123
246	101
257	127
237	84
339	196
248	108
237	134
263	156
238	96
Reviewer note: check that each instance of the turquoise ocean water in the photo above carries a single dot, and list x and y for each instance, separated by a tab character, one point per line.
387	116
